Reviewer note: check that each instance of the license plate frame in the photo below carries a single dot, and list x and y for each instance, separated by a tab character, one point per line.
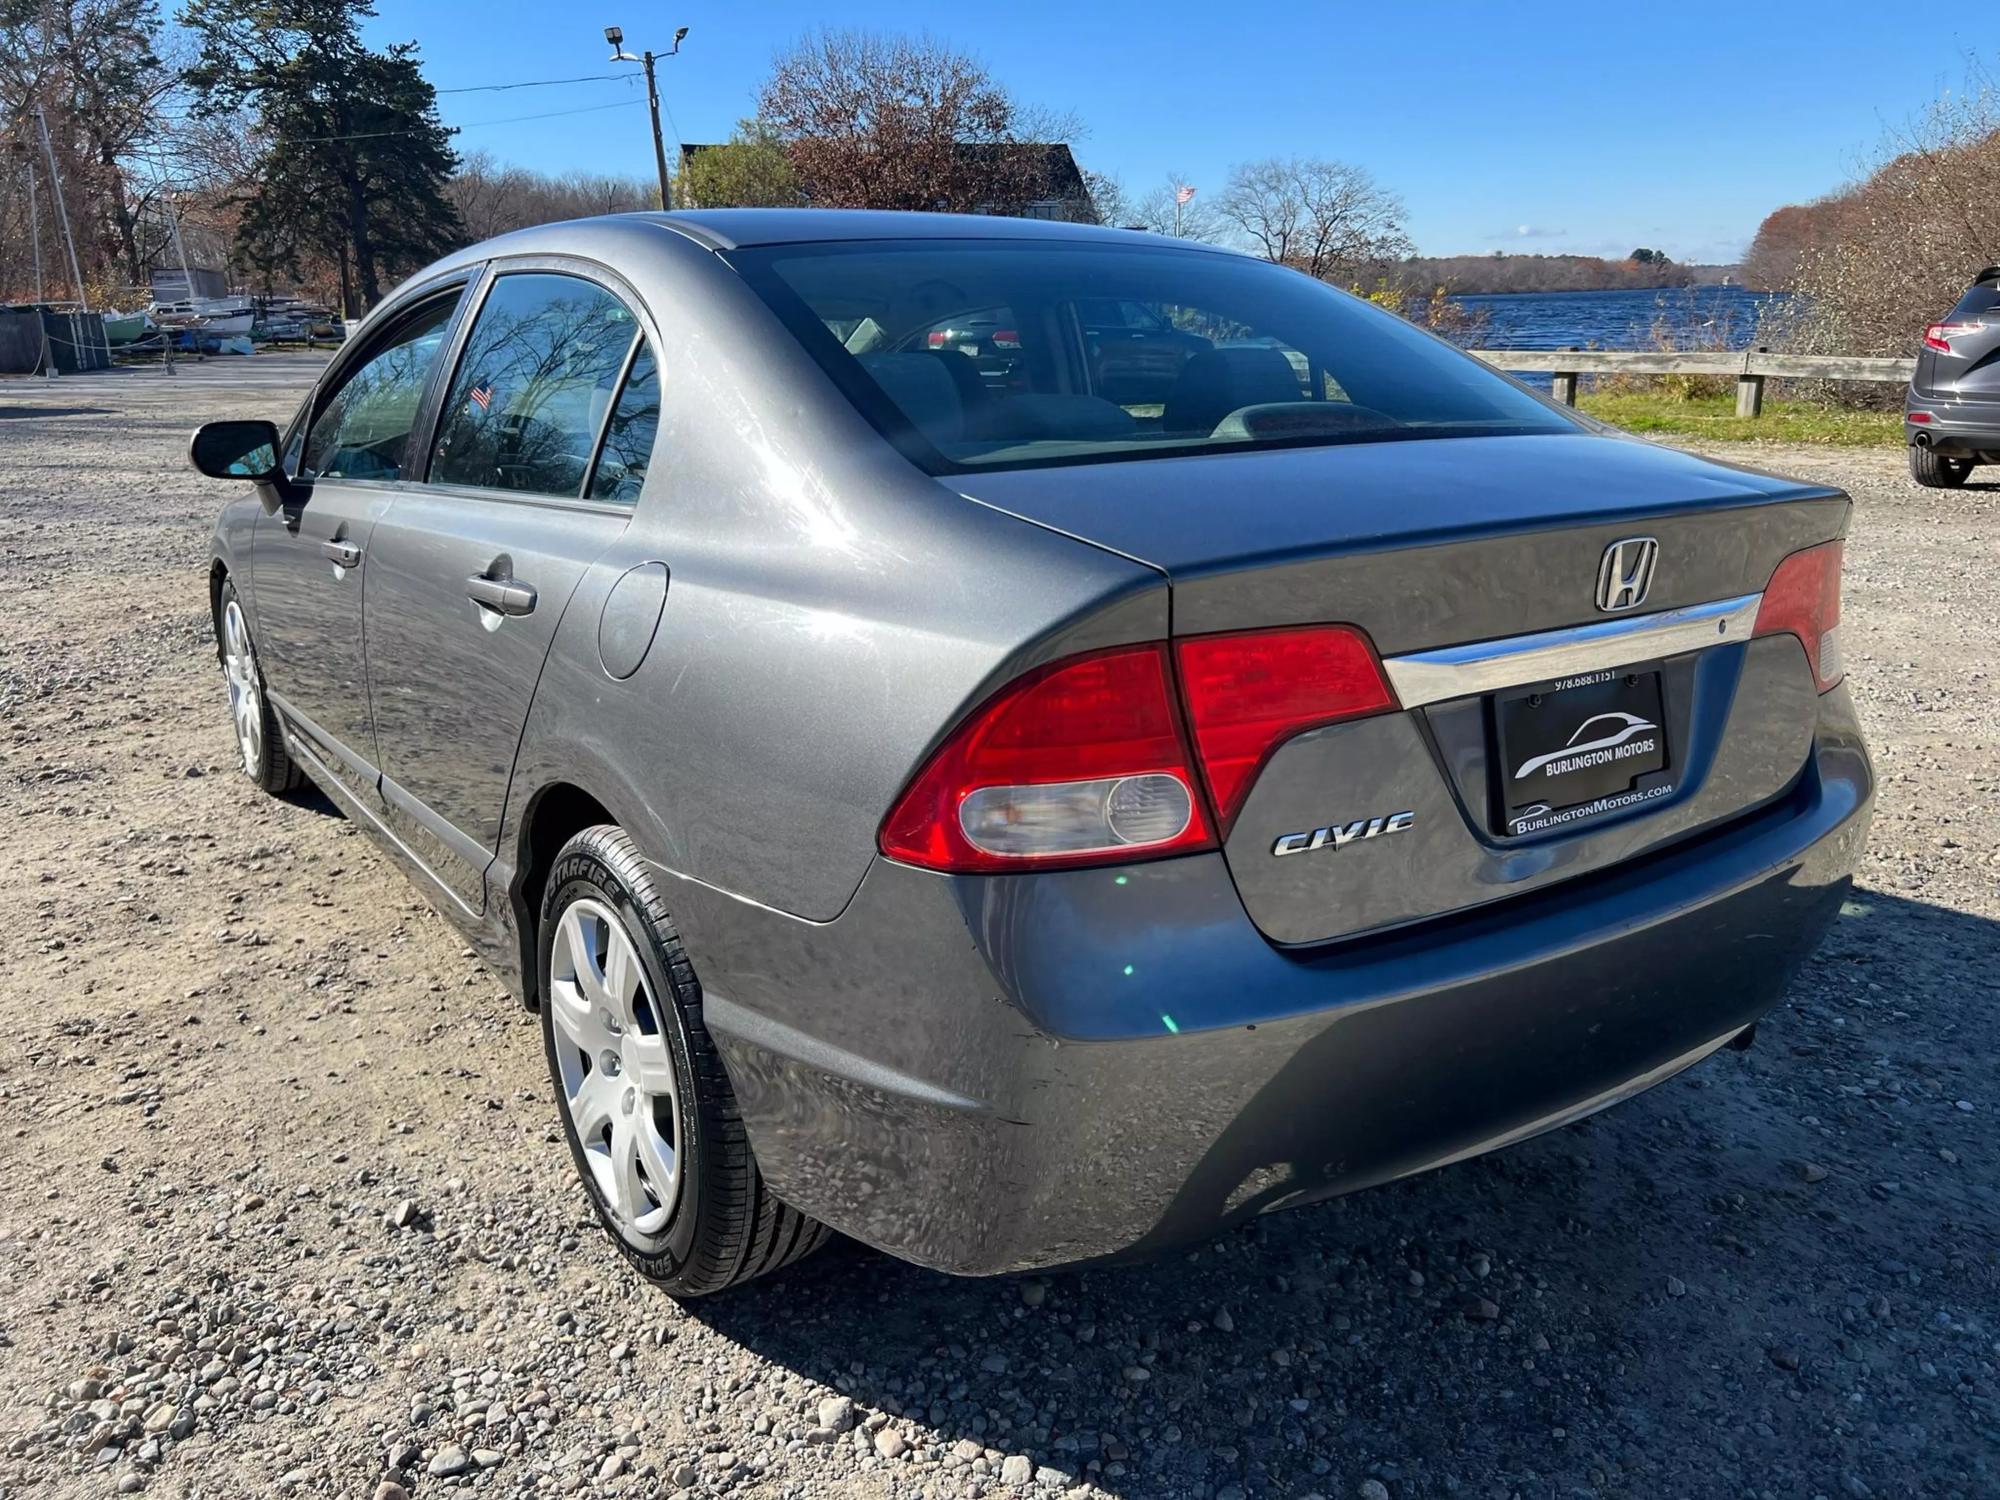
1562	747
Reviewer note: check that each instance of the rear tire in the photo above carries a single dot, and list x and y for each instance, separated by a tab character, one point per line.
1934	471
662	1151
260	739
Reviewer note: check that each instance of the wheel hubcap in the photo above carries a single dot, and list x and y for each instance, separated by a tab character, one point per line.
246	700
617	1076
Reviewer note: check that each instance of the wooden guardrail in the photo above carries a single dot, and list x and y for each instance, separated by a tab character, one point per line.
1751	367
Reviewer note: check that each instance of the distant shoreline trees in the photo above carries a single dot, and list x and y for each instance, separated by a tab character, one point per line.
1473	275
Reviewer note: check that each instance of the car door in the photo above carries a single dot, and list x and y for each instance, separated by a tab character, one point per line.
470	572
349	453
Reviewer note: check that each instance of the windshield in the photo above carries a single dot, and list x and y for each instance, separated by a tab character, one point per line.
975	354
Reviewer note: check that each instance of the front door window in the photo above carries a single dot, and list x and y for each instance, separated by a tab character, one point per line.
363	430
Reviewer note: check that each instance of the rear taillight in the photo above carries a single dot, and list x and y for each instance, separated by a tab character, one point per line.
1080	762
1248	693
1939	335
1087	761
1803	599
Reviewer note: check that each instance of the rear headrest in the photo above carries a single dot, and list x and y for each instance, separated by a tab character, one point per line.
922	387
1218	381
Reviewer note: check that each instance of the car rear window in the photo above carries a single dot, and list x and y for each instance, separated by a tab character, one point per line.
1981	299
972	354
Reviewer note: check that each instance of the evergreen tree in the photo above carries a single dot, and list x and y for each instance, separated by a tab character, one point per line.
353	158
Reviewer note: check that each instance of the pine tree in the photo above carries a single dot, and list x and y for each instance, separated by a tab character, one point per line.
354	159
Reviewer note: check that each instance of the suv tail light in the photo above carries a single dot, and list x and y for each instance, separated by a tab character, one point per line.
1803	599
1080	762
1250	692
1087	761
1939	335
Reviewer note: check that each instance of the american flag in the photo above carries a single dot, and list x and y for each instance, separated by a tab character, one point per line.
1183	194
483	395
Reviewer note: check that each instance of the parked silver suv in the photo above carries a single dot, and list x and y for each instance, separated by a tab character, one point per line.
1008	821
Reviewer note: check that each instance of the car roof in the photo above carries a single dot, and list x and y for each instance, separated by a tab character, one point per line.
739	228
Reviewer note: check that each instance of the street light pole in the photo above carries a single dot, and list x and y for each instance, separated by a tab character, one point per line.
615	35
659	143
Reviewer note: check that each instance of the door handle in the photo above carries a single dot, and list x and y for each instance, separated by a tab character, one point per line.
341	554
501	595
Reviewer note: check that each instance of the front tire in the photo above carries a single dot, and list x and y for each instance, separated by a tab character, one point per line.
260	742
652	1124
1934	471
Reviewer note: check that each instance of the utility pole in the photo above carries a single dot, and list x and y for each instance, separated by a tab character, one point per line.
62	210
615	35
34	218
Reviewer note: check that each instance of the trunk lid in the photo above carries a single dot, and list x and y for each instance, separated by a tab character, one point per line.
1428	545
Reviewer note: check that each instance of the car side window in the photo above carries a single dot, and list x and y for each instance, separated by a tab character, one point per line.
533	387
363	428
628	439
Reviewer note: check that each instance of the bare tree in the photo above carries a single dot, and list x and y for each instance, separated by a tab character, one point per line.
1326	218
875	121
92	68
493	198
1108	204
1196	219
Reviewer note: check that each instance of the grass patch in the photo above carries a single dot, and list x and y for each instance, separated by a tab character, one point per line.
1715	417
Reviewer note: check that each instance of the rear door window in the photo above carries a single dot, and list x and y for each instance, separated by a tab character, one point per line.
628	438
534	386
1981	300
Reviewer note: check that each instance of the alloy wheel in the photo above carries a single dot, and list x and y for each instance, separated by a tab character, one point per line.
616	1071
246	695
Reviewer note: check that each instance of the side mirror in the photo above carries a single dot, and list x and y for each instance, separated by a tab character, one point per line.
243	450
235	450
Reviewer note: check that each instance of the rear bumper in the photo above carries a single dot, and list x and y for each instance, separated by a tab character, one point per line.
1958	428
991	1075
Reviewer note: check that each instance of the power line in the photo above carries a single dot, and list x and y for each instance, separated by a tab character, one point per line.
479	88
534	83
552	114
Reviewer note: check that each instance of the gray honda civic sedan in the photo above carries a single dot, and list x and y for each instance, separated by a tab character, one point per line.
1188	747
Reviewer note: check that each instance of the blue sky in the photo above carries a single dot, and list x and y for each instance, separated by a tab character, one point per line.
1555	127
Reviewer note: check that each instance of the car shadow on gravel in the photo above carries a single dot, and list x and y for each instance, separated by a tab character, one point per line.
1765	1276
307	796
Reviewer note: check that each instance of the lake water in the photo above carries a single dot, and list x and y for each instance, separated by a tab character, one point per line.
1695	317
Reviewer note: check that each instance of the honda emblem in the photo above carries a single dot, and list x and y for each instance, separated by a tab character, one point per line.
1626	574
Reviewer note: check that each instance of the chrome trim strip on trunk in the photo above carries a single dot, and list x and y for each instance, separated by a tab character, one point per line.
1484	666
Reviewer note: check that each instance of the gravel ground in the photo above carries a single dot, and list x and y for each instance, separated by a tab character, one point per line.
283	1208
